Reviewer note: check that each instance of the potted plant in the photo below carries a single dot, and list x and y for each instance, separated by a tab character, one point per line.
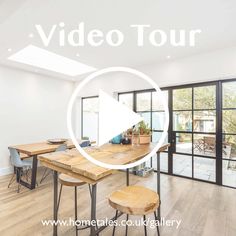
144	133
141	131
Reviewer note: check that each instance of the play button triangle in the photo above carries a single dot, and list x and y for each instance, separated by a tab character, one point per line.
114	118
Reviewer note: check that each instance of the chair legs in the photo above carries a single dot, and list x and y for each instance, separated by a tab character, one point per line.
11	180
19	174
46	173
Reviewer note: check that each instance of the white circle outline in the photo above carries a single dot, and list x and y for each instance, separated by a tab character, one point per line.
88	79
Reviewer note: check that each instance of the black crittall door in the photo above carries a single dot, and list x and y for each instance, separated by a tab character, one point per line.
193	131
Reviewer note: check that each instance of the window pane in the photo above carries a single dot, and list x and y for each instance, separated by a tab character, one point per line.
156	137
126	99
229	95
182	121
229	121
163	162
205	121
182	99
229	173
184	143
158	120
147	117
205	97
205	168
90	118
182	165
229	146
204	145
156	103
144	101
90	104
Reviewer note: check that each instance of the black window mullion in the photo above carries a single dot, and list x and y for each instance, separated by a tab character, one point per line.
170	132
192	131
151	114
219	133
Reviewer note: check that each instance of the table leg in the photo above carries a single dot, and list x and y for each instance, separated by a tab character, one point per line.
158	185
32	184
55	194
34	172
127	177
93	210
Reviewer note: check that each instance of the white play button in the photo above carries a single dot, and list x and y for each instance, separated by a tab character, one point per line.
114	118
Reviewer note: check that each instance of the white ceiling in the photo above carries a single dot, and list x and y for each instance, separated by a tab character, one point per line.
216	19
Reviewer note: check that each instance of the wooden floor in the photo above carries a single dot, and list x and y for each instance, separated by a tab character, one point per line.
205	209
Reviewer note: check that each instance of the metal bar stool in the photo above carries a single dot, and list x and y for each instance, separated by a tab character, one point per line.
135	200
66	180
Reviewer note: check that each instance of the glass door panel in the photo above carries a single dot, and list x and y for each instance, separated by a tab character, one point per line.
229	133
205	169
194	132
182	165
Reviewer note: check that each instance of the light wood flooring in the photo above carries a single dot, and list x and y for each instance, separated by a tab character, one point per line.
204	209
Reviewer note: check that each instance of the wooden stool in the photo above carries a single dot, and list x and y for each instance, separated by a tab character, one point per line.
67	180
135	200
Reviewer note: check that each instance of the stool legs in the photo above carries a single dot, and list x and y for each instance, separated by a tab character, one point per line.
76	214
126	227
127	218
114	227
156	219
76	210
59	198
145	227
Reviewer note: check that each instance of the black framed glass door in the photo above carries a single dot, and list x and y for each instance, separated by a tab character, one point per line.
194	132
229	133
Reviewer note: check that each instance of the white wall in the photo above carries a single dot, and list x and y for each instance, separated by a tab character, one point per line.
217	65
33	108
210	66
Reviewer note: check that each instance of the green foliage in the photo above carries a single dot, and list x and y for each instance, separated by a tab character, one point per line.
144	129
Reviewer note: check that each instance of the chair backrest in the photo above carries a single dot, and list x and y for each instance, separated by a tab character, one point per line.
15	157
210	141
85	143
62	147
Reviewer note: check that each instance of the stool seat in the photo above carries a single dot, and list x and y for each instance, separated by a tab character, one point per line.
70	181
134	200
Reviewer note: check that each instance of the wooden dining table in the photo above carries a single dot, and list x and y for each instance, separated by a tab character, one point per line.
72	163
33	150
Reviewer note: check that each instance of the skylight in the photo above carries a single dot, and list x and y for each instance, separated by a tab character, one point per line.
41	58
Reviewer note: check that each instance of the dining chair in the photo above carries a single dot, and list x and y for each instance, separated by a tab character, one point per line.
47	171
135	200
85	143
20	166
